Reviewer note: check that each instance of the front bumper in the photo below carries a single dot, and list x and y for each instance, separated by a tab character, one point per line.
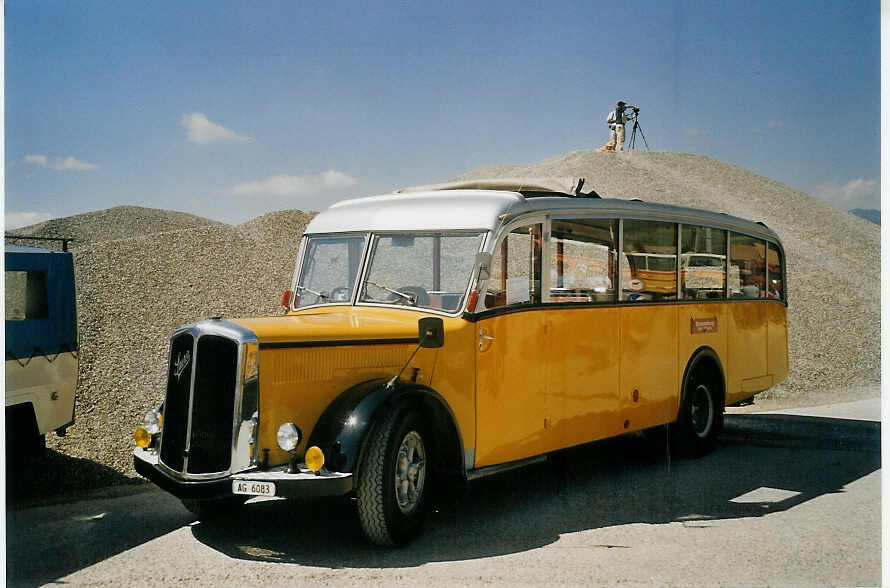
301	485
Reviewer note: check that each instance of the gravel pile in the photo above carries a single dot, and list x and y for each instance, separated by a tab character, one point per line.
119	222
143	272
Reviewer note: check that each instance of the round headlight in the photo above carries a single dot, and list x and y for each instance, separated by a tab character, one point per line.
152	421
288	436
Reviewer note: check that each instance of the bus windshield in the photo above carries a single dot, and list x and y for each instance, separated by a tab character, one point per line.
330	267
422	270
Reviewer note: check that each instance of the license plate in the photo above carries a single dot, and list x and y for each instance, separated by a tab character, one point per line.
253	488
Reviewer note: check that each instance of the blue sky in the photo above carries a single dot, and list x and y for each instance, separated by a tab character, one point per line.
231	109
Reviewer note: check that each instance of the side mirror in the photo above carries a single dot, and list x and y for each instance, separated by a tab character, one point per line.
431	332
483	262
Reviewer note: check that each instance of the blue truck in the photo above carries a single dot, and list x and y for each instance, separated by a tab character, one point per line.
41	346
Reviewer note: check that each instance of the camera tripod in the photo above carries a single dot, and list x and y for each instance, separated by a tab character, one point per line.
633	134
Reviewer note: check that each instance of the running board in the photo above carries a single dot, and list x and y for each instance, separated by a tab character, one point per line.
503	467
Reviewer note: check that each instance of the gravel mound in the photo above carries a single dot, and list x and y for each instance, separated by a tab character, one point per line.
143	272
120	222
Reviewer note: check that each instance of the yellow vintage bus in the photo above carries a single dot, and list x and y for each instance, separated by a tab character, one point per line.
459	330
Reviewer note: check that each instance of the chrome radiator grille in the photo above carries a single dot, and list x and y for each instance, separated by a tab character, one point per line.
200	404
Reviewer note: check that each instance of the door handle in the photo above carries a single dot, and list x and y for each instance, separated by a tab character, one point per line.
483	337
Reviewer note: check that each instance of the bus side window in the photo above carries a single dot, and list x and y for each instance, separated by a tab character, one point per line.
651	251
583	260
774	273
515	275
702	262
747	267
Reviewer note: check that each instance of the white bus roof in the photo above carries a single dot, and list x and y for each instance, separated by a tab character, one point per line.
457	206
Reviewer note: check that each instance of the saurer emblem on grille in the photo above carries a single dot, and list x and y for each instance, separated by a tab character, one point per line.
182	362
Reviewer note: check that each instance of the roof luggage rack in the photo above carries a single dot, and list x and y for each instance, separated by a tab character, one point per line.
63	240
528	187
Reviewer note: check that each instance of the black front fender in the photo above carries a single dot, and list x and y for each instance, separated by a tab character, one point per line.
342	428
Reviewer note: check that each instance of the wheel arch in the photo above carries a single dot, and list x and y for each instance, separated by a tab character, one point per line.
343	428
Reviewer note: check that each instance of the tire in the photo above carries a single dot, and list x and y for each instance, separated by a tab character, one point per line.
214	509
394	478
700	419
24	442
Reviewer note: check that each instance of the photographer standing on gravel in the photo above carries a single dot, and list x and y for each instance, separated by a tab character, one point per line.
616	121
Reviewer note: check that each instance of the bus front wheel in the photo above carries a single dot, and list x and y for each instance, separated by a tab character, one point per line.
391	488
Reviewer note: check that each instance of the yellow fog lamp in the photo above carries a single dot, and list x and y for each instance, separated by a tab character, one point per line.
314	459
142	437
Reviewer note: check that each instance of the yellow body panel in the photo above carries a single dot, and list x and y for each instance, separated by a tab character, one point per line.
524	383
582	375
297	383
746	361
648	351
777	361
511	379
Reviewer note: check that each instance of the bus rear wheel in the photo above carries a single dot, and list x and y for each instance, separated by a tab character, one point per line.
700	419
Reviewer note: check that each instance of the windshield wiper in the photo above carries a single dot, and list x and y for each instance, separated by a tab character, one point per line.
321	295
412	300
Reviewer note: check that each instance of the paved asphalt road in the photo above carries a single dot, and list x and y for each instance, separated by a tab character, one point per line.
786	499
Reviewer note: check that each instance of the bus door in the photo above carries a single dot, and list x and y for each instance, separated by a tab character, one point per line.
510	372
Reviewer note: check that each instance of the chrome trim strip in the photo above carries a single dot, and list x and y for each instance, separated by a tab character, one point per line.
280	473
546	277
679	253
297	271
727	264
619	291
188	426
503	467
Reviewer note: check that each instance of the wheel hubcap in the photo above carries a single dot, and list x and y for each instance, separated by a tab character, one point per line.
410	472
702	411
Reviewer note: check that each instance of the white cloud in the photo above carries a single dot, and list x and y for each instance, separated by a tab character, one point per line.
60	163
858	193
201	131
71	164
15	220
37	159
295	185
